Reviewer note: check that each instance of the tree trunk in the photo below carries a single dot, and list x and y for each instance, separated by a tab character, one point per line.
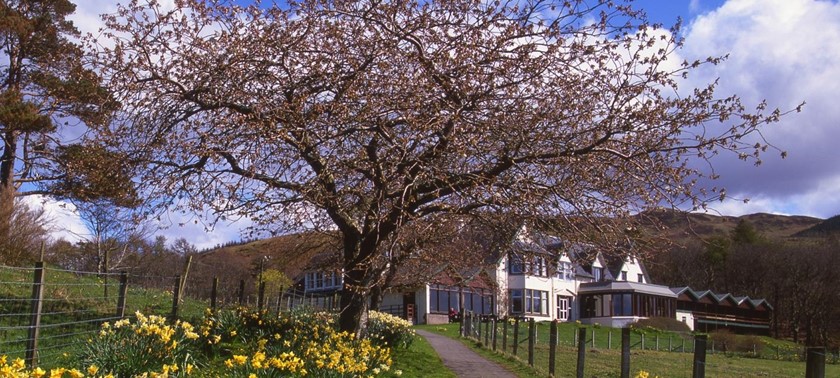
354	303
7	185
376	294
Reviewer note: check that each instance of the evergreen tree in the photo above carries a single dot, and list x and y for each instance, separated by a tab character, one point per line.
44	87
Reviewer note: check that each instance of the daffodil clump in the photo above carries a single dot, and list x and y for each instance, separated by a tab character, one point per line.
386	329
644	374
17	369
148	347
303	343
236	343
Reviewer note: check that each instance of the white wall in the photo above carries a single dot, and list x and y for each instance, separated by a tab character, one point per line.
633	269
689	318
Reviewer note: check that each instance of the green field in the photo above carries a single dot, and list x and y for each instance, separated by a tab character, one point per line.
603	362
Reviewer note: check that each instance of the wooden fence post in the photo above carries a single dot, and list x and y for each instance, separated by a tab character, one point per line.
241	292
625	353
515	336
35	311
495	332
593	337
504	334
815	362
476	328
465	324
176	297
699	370
581	351
187	264
487	334
609	339
552	348
280	300
532	336
122	294
261	296
214	293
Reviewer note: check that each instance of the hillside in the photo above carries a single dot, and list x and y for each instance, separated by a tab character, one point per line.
290	254
679	227
829	227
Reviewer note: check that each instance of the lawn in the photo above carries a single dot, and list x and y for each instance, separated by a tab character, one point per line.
603	362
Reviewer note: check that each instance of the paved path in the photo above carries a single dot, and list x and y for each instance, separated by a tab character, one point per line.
461	360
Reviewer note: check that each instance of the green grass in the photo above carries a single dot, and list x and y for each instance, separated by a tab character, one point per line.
603	362
72	310
418	360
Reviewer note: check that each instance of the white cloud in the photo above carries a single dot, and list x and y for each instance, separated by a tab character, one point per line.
694	6
64	221
783	51
66	224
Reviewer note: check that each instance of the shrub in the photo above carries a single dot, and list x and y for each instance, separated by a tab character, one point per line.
661	324
391	330
726	341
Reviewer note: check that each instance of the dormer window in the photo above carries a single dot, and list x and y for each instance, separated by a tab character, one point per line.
641	278
598	273
531	265
516	264
623	275
564	271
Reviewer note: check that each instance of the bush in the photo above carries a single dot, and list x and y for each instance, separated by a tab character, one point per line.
661	324
729	342
391	330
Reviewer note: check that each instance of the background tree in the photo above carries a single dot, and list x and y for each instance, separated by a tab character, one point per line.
44	86
366	117
110	228
29	232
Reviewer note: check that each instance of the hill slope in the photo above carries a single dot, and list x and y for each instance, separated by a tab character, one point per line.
679	227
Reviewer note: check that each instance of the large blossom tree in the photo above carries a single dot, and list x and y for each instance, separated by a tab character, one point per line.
367	116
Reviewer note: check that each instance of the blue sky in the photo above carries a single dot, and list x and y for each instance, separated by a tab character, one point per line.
784	51
667	11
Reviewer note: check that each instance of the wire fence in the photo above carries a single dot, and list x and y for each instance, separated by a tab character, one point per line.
547	346
47	314
42	321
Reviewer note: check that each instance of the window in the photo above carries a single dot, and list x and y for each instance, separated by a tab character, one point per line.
516	301
516	264
322	280
539	267
528	301
624	276
597	272
564	271
562	308
622	304
532	265
641	277
442	298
